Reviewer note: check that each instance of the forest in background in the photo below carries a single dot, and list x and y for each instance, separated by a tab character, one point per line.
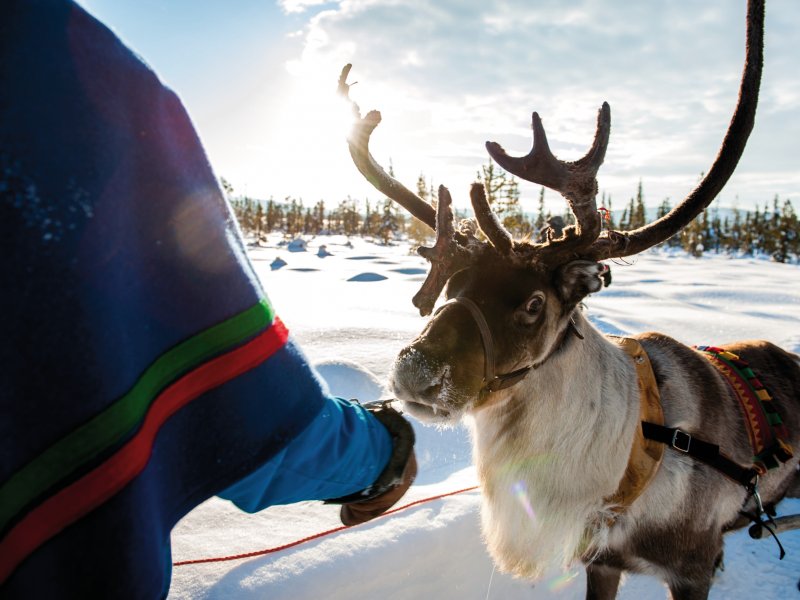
769	230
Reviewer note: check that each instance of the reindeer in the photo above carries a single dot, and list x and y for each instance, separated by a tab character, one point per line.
558	411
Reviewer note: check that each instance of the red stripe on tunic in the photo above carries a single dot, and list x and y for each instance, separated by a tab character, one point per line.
96	487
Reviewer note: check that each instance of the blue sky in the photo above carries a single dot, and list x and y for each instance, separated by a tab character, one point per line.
258	79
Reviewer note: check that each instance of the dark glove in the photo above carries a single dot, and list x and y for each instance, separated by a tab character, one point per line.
393	481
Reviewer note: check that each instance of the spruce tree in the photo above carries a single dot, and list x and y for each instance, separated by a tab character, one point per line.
541	217
638	213
735	235
418	232
258	220
387	228
493	179
692	236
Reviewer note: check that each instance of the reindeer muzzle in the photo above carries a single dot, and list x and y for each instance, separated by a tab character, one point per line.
491	381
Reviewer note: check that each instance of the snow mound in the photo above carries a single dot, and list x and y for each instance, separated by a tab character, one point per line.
348	379
277	263
367	277
411	271
297	245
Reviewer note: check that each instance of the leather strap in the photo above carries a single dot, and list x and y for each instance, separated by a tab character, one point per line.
706	452
491	381
646	455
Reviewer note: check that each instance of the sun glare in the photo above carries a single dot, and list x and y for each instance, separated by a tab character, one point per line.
307	148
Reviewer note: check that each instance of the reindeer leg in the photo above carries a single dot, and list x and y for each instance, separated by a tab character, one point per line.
602	582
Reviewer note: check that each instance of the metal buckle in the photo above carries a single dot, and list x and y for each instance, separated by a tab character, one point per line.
678	439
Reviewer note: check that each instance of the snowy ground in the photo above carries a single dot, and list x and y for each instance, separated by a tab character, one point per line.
352	311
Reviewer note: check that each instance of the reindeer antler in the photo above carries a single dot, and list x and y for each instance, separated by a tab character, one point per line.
488	222
619	244
452	252
577	180
358	143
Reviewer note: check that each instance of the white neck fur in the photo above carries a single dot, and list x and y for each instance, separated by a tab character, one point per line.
546	474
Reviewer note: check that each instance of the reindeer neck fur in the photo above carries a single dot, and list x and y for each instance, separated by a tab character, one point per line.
550	449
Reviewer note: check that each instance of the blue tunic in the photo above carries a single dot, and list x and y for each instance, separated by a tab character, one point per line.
143	369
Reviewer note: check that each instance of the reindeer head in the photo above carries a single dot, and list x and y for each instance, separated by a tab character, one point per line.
511	304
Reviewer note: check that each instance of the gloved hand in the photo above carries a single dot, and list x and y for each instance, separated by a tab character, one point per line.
393	481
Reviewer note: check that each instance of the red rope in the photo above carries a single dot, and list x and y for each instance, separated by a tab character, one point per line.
197	561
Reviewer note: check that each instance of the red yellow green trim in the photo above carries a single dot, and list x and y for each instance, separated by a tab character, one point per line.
765	427
97	486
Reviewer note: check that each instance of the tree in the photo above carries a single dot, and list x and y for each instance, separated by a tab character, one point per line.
493	179
348	216
693	235
372	221
638	213
623	220
258	220
502	193
272	220
389	223
294	216
734	238
747	243
319	217
541	217
418	232
509	210
787	234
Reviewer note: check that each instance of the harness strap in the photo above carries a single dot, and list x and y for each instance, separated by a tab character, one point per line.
646	455
701	450
710	454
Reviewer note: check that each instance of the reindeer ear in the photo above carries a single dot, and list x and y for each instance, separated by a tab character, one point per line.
578	279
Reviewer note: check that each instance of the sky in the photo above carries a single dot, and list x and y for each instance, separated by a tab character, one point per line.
259	78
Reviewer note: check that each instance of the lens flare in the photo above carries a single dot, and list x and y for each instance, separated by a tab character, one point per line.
529	464
561	583
521	492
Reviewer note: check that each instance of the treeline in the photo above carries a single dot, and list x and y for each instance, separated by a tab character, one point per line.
384	221
770	230
291	217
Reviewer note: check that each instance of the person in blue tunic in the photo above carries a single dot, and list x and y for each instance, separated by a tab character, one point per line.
144	369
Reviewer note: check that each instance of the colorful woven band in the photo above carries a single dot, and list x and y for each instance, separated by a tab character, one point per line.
765	427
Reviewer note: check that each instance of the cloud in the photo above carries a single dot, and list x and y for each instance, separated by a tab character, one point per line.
299	6
448	75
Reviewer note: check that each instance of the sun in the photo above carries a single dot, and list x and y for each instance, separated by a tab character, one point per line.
308	140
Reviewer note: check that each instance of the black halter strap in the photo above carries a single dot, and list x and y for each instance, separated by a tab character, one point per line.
493	382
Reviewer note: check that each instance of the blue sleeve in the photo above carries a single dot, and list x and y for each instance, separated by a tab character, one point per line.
342	451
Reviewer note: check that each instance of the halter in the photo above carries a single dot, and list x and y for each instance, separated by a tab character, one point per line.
493	382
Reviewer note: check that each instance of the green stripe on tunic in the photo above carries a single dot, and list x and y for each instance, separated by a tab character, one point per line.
115	422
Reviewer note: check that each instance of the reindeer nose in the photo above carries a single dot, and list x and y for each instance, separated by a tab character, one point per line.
417	377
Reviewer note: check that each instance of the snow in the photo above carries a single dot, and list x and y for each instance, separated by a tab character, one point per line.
351	312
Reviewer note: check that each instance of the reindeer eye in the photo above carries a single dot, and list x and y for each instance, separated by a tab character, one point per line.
534	305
